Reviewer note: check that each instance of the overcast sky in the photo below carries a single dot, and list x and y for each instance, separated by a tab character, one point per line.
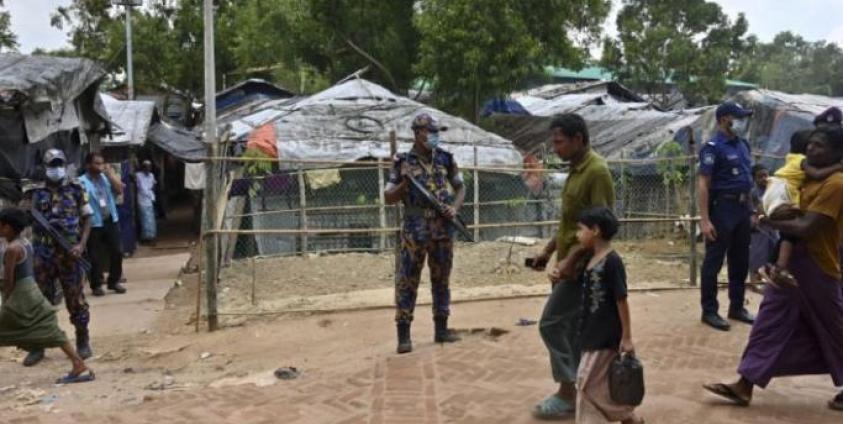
813	19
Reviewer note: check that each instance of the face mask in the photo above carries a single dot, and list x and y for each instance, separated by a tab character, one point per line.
739	127
432	140
56	174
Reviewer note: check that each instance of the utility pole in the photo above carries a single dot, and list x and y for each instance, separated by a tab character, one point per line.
130	78
211	178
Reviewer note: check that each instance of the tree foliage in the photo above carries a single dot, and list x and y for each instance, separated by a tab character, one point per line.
690	43
475	50
8	39
790	63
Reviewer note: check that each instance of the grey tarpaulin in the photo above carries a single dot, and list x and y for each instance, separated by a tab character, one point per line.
181	143
45	102
45	89
352	120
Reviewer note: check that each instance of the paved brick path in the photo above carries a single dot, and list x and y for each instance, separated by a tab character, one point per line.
492	380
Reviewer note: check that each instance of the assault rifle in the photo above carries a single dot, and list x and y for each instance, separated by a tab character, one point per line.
42	223
439	207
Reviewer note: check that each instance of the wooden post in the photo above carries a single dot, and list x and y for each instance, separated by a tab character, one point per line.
381	204
476	197
254	278
692	207
211	251
622	189
302	211
393	150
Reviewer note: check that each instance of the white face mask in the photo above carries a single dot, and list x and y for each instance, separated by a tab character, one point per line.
56	174
739	127
432	140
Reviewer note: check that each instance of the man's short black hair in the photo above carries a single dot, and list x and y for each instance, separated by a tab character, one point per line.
799	141
89	158
15	218
571	124
602	218
758	168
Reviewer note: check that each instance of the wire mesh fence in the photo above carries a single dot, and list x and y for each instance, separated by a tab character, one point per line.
305	234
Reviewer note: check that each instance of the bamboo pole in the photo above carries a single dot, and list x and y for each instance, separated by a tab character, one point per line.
334	231
302	210
381	205
692	206
254	279
199	282
517	167
393	151
364	207
476	196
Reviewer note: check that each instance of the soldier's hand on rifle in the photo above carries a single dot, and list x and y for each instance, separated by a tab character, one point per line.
77	250
450	212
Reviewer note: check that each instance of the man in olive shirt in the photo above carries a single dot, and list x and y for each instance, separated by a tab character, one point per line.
589	184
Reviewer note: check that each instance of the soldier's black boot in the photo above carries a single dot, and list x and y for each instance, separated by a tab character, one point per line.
443	334
405	345
33	357
83	344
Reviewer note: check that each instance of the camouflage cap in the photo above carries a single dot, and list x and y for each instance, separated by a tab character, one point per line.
53	155
424	120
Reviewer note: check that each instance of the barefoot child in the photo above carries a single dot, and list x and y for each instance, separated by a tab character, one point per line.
605	330
27	320
781	200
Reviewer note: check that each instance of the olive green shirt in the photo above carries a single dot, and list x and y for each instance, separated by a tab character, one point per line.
589	184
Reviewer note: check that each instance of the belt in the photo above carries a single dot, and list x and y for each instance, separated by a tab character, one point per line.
733	197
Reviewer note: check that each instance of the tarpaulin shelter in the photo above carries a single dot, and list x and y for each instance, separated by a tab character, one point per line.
353	119
134	122
620	123
45	102
776	116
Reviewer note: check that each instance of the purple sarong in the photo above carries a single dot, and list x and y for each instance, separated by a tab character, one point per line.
798	331
761	246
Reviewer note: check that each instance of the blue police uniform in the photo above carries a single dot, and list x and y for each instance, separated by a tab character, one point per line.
424	233
729	164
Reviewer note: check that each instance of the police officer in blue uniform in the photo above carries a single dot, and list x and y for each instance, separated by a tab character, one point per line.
725	182
425	234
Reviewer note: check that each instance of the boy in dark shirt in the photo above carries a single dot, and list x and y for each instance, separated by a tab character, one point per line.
605	331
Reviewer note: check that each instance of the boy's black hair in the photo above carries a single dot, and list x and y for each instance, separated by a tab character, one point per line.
15	218
799	141
570	124
602	218
758	168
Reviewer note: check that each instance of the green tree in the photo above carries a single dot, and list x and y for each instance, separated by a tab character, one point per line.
792	64
475	50
306	44
8	39
689	43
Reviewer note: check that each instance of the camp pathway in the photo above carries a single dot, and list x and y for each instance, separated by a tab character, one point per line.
489	377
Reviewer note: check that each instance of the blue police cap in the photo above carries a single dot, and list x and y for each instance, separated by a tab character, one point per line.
732	109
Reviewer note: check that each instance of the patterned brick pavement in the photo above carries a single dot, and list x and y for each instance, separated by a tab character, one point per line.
489	379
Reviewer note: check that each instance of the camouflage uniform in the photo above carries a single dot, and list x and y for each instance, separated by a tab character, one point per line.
64	207
423	233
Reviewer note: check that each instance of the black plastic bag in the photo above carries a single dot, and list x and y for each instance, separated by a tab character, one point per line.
626	380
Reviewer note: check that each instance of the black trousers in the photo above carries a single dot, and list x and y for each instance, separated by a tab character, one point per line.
104	245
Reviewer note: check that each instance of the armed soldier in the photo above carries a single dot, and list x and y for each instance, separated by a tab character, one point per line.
64	204
424	231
